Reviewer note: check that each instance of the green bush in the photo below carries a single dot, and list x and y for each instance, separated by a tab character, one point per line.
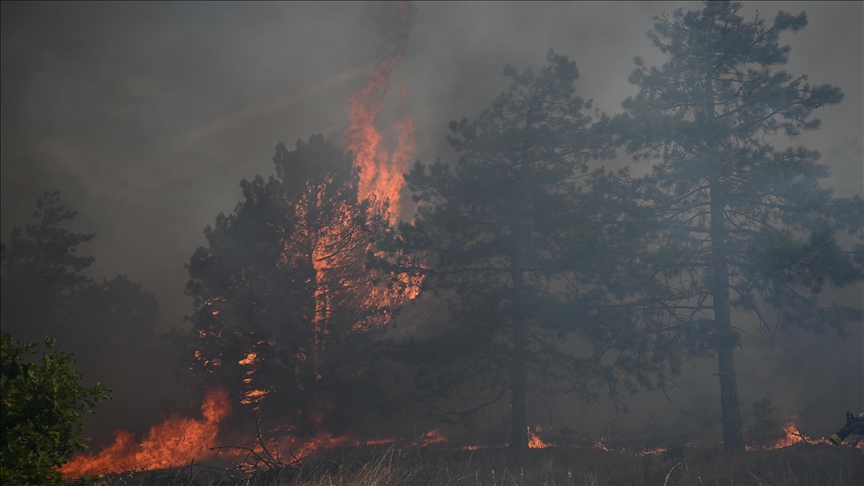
42	405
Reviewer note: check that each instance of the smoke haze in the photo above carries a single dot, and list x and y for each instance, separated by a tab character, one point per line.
147	115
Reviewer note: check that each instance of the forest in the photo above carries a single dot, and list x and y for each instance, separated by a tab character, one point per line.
666	292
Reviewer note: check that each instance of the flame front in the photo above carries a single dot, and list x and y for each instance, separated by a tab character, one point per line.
794	436
791	436
176	441
534	440
294	449
432	437
380	172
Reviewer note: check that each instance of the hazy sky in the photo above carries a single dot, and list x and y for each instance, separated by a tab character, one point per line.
147	115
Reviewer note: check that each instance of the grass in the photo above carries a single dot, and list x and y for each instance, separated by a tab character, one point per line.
799	465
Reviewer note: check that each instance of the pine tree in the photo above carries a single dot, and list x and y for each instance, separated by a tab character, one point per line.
285	308
40	271
509	236
742	224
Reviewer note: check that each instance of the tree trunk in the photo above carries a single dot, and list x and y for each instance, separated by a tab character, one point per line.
726	337
519	405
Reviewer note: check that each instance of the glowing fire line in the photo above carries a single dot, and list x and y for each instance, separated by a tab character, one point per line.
176	441
792	435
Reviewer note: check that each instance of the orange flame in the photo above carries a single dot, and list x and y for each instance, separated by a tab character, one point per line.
174	442
432	437
285	445
600	445
791	436
337	249
534	440
380	173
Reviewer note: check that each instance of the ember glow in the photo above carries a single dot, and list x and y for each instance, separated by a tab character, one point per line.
380	171
656	451
432	437
176	441
291	449
600	445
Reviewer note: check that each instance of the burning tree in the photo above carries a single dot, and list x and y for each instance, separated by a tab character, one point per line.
286	309
525	256
740	224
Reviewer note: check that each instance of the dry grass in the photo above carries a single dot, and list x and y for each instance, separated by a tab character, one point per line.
799	465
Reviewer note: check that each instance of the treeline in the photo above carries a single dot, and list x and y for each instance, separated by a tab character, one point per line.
547	274
97	331
108	324
45	291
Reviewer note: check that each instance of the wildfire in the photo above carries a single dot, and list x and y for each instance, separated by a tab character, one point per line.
334	255
380	172
294	449
534	440
174	442
656	451
791	436
284	440
301	448
794	436
337	246
432	437
600	445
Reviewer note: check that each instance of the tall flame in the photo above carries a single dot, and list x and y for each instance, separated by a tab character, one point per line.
380	172
176	441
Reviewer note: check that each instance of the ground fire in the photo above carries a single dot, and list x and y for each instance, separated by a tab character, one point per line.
791	436
534	440
176	441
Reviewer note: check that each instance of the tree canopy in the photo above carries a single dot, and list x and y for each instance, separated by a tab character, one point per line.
740	223
517	240
285	306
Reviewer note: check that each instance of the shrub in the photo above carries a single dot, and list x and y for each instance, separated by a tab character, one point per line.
40	412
